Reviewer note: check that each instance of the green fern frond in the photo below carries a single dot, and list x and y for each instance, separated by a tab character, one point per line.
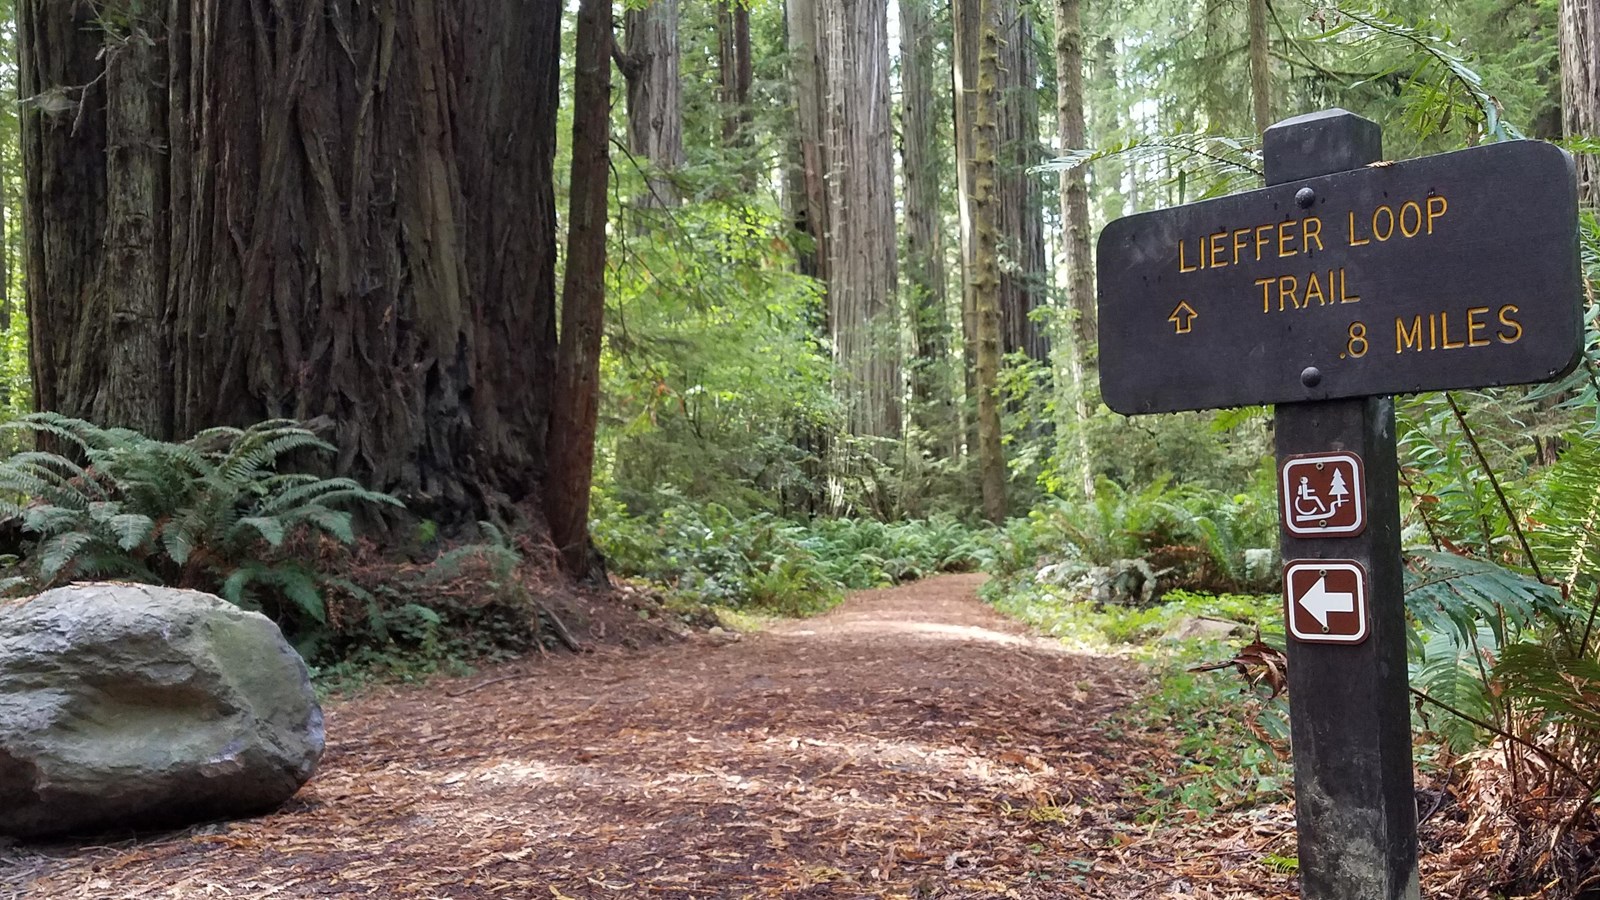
131	529
1223	165
335	522
178	544
320	492
1565	530
1449	593
52	520
84	435
1558	685
1452	672
295	583
57	554
271	529
1432	65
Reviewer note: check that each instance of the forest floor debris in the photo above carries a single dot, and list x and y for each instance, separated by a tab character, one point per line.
913	743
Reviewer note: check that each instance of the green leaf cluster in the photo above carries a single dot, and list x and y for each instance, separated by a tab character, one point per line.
213	512
765	563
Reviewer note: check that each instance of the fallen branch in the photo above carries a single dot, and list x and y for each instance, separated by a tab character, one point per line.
560	629
483	684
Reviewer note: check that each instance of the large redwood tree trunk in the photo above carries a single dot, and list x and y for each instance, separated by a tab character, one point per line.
345	206
922	168
1024	270
841	60
655	96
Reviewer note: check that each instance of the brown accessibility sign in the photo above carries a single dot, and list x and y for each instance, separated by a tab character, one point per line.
1322	495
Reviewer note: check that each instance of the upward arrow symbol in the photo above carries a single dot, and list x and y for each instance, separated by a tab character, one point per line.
1182	318
1319	601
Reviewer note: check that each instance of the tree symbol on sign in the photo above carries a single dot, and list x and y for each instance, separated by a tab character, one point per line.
1337	489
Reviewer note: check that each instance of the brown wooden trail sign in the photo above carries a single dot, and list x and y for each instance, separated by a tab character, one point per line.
1344	281
1449	271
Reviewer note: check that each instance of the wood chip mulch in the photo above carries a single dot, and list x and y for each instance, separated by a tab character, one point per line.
911	744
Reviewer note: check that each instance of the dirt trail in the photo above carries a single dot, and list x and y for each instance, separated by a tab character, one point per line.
912	743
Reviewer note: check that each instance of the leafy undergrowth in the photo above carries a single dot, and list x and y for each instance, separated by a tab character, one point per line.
1227	740
765	564
1492	811
477	604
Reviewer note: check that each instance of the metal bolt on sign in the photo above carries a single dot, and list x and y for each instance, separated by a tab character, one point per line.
1335	287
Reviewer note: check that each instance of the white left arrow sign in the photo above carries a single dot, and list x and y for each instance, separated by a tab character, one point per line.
1319	601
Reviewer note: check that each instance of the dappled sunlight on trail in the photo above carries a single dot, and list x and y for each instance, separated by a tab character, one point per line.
911	743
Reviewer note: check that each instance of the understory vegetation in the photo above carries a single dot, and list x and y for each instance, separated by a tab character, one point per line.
743	462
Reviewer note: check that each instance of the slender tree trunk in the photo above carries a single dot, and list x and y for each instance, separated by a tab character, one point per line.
922	167
965	39
1260	60
655	104
736	70
1213	98
1580	84
805	58
358	225
986	266
1078	254
1024	269
583	296
1074	184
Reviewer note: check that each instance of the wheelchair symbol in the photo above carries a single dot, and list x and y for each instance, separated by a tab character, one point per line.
1309	506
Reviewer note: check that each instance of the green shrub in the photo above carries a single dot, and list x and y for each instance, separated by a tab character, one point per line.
212	512
770	564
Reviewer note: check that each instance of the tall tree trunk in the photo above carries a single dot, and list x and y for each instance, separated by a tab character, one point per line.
736	70
358	225
922	167
1213	72
965	39
1078	254
1024	270
1580	84
858	250
655	96
1260	60
806	76
583	296
986	266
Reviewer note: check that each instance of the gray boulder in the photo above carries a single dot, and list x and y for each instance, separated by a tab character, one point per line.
125	706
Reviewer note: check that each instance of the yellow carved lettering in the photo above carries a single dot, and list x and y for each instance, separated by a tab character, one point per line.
1311	230
1266	285
1286	237
1294	285
1182	265
1217	250
1474	326
1412	208
1353	241
1387	228
1436	208
1313	286
1405	338
1344	289
1506	320
1444	333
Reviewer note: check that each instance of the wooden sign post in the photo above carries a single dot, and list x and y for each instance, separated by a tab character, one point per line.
1349	713
1345	281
